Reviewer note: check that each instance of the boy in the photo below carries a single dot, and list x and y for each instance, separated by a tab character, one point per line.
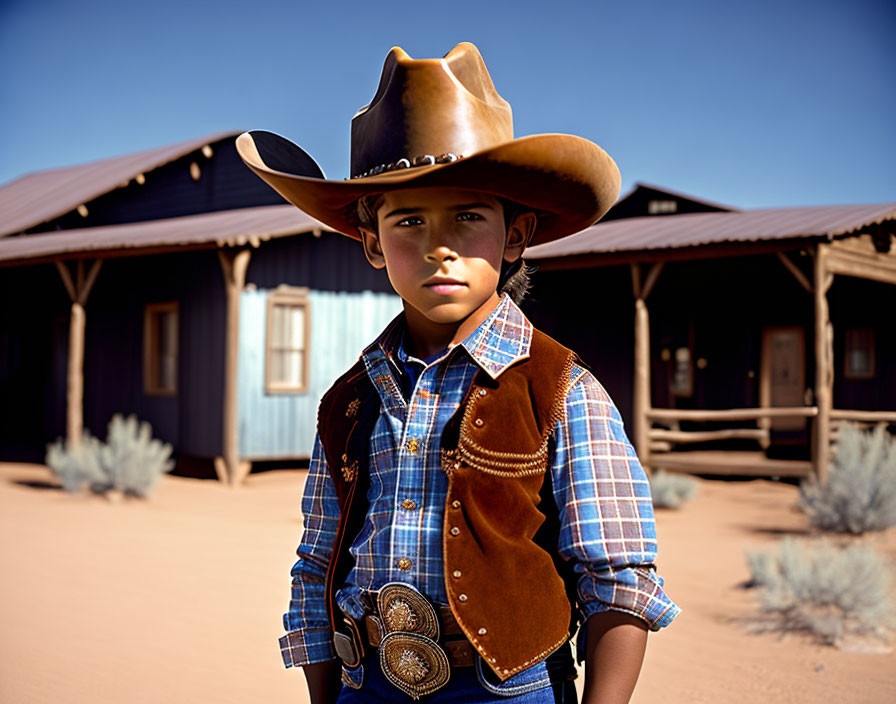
470	479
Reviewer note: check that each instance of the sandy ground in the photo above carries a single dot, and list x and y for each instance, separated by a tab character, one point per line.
179	599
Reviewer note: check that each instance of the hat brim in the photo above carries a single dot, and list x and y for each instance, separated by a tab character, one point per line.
569	180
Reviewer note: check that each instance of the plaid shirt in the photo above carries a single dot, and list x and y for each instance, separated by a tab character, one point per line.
606	512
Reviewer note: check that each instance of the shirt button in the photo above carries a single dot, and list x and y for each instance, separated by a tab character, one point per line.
461	597
413	445
455	531
455	504
457	574
482	631
409	504
404	564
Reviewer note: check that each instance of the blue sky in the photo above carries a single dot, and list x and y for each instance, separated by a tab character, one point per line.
756	104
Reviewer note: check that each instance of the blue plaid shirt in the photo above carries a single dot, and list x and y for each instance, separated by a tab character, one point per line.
606	512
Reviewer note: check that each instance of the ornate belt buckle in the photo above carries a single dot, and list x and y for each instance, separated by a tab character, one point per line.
403	608
415	664
410	658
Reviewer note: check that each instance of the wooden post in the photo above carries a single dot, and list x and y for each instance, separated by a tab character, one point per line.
824	365
642	361
233	266
74	380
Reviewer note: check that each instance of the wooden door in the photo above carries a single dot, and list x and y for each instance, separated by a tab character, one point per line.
782	378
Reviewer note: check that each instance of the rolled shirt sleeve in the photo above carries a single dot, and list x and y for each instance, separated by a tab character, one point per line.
606	512
308	638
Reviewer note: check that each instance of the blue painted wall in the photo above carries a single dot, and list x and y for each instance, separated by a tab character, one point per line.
342	325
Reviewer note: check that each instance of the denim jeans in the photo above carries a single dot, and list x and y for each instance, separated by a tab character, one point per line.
546	683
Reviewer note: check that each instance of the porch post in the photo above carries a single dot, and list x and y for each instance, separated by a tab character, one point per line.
642	361
233	266
824	364
78	292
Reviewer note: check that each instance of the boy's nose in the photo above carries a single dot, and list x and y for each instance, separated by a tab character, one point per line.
440	253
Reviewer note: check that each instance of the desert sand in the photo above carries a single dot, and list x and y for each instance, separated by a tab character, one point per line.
179	598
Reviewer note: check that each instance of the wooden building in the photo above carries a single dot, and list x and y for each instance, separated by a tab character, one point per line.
176	285
732	341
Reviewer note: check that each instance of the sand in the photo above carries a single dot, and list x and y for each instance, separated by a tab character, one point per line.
179	599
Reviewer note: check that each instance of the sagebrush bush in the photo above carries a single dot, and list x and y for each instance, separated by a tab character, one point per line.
77	467
671	490
129	461
860	493
132	460
827	591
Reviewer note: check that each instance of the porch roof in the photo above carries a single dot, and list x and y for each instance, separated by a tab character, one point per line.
223	228
695	229
41	196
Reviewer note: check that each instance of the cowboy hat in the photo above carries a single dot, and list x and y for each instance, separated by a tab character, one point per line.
440	122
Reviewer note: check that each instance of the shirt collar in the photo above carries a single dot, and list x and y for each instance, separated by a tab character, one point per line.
500	340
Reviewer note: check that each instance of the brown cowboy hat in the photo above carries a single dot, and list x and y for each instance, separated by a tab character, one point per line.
440	122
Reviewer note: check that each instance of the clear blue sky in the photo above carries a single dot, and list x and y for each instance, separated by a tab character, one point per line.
761	103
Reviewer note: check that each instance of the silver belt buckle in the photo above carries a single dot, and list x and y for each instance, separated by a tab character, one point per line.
410	658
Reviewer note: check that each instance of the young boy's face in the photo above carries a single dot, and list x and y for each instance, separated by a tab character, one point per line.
443	249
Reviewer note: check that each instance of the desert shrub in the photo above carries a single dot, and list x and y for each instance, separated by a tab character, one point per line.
860	493
132	461
77	467
827	591
671	490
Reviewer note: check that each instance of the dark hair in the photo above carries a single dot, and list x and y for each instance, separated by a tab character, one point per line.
515	278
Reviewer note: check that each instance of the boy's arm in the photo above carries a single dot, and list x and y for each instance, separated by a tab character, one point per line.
308	640
607	532
613	657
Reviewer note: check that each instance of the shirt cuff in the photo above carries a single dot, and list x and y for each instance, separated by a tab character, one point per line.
307	646
636	590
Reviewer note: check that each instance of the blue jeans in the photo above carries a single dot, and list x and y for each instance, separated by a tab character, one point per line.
546	683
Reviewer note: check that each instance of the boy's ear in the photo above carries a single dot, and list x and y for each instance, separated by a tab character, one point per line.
519	233
372	248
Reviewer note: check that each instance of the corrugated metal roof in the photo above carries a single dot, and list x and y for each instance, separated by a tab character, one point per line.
694	229
44	195
229	227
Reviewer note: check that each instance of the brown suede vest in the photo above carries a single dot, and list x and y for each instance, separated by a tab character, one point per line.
507	587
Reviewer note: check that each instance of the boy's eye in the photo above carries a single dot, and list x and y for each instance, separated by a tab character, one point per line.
410	220
469	215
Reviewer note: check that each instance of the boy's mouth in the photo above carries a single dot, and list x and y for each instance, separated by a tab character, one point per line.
443	284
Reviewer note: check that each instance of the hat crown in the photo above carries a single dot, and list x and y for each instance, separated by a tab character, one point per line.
430	107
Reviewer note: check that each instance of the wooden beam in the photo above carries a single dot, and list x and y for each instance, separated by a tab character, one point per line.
684	436
84	292
722	462
793	269
652	276
731	413
67	280
824	365
642	371
877	267
864	416
233	266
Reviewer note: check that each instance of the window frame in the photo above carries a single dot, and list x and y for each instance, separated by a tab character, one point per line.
850	334
290	296
151	384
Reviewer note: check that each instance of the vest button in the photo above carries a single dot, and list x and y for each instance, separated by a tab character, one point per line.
455	531
457	574
478	422
482	631
455	504
404	564
413	445
461	597
482	392
409	504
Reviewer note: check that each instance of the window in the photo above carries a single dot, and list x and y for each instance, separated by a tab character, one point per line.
286	353
859	356
661	207
160	330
